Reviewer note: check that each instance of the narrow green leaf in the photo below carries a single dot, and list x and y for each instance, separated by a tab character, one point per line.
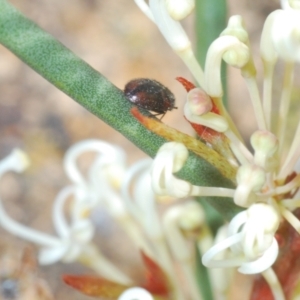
93	91
203	278
211	19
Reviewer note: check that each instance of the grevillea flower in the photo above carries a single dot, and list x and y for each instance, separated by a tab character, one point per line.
74	238
265	176
128	197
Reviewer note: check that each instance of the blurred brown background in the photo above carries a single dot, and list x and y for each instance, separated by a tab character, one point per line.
119	41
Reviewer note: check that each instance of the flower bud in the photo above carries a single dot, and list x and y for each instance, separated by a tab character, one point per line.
179	9
265	145
169	159
192	218
199	102
250	179
236	28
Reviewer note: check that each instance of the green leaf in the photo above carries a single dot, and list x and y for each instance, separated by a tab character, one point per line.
211	19
202	277
76	78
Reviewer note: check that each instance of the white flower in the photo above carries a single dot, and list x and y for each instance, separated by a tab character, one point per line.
250	179
159	12
285	34
136	293
170	159
73	240
250	239
17	161
226	47
266	181
179	9
70	237
177	220
198	110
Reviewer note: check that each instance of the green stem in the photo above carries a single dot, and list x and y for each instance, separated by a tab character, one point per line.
93	91
211	19
202	277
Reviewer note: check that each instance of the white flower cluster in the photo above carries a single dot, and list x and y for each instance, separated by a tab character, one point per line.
74	227
266	181
128	196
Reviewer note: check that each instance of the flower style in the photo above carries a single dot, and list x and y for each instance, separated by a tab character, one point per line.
266	180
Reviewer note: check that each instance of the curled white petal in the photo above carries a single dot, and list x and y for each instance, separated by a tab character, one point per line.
262	263
109	154
24	232
259	229
245	266
211	120
136	293
251	240
237	55
179	9
180	154
17	161
169	159
208	257
236	223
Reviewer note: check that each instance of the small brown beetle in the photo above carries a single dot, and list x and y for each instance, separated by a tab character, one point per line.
151	95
